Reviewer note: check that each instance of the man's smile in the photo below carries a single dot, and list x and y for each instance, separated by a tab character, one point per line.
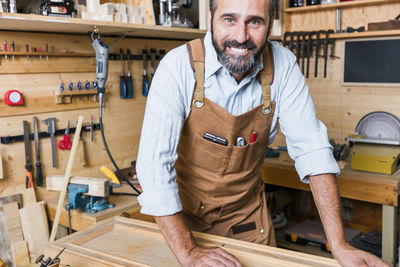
239	51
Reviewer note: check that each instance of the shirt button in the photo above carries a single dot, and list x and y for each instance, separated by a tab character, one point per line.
262	231
202	207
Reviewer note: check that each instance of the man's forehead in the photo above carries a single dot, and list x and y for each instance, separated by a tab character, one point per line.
248	7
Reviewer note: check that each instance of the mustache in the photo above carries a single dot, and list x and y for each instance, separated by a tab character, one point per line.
249	44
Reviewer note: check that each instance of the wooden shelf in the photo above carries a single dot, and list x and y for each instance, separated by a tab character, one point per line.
38	23
50	54
356	3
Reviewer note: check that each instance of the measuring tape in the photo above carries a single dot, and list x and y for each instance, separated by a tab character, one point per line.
13	98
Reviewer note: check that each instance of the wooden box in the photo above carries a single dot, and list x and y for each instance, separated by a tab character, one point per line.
127	242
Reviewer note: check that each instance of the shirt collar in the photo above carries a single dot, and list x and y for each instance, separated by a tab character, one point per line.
212	64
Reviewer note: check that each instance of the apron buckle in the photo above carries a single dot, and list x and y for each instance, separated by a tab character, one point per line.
267	110
198	104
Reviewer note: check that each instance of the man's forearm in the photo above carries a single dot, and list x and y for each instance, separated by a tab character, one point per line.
177	235
326	196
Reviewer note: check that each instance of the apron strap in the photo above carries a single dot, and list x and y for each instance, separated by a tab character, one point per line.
196	54
267	77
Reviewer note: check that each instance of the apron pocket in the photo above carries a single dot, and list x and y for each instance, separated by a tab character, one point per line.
210	156
240	160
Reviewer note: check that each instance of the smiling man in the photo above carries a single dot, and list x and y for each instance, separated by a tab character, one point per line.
212	110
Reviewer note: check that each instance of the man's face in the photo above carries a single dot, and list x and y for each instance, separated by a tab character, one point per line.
239	32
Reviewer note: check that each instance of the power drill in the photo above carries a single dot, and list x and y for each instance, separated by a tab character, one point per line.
102	52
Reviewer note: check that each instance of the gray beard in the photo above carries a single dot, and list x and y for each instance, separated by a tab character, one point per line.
235	66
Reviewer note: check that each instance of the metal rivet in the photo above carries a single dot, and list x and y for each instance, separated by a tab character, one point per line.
262	230
267	111
198	104
202	207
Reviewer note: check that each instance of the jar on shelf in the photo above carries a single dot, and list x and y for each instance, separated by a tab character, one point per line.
296	3
313	2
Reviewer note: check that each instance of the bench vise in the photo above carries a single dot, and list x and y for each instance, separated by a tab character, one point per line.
91	204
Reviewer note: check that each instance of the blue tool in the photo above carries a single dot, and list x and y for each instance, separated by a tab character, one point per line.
62	88
79	86
129	82
91	204
87	87
71	88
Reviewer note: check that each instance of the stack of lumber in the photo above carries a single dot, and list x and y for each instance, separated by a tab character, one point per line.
24	228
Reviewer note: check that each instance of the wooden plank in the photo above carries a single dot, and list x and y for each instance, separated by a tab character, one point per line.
1	167
67	176
35	228
6	254
21	253
11	198
139	243
28	197
98	187
30	22
13	222
389	234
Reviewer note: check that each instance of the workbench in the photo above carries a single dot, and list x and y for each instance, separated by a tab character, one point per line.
81	220
127	242
364	186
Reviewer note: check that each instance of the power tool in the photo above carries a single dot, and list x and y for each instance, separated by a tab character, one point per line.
58	8
171	13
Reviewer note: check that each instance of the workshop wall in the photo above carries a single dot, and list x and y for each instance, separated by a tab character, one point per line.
341	107
37	79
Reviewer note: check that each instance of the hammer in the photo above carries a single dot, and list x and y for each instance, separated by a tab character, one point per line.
51	129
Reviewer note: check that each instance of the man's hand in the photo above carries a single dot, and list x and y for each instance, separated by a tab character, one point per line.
215	256
349	256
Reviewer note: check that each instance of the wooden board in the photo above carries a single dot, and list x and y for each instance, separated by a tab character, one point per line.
6	254
13	222
28	197
11	198
35	228
98	187
136	243
20	253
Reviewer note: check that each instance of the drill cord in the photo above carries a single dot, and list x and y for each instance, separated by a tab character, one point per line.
108	151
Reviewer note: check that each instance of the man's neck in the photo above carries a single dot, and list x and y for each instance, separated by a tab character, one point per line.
239	76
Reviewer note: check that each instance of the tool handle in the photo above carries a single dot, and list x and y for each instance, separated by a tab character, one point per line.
83	153
122	87
129	85
39	174
145	85
29	182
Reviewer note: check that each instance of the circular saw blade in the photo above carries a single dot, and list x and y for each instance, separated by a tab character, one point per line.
379	124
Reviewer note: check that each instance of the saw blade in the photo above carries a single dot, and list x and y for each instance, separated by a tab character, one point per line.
379	124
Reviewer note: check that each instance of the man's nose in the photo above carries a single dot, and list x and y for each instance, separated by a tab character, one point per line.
241	33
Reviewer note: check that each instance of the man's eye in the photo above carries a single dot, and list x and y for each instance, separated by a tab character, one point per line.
254	22
229	20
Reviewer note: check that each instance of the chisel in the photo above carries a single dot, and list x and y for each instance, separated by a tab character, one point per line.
122	81
28	165
145	80
129	82
39	175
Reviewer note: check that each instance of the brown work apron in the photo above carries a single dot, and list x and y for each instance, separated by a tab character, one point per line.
220	186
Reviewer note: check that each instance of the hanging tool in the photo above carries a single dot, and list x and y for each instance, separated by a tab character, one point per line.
87	87
28	165
153	63
5	48
27	50
83	151
47	51
39	174
122	79
162	54
65	143
309	50
129	82
317	43
12	48
326	44
51	128
79	86
303	49
145	80
40	51
13	98
70	88
62	88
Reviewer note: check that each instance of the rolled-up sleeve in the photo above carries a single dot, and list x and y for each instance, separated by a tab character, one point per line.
306	136
163	120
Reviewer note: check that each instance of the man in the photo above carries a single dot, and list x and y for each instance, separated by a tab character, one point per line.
213	108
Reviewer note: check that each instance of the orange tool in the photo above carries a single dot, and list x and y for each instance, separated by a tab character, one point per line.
28	165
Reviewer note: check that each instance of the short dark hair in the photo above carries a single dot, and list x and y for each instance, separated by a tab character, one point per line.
213	7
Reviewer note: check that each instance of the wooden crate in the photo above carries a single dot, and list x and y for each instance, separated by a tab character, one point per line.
128	242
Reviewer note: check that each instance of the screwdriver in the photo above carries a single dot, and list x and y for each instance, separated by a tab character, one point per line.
12	48
79	86
87	87
145	81
27	50
47	51
62	88
129	82
122	80
70	87
5	48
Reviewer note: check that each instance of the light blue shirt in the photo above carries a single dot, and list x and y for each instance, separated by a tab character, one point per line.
169	104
